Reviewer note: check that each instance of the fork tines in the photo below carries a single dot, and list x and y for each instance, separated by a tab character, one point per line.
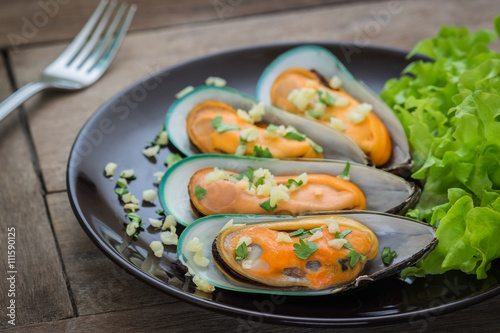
98	41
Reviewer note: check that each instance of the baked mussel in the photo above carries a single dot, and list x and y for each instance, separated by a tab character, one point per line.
311	82
220	184
314	255
225	121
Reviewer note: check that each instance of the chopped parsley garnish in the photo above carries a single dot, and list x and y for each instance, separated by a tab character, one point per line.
260	181
272	127
355	256
303	234
134	217
388	255
304	249
297	232
294	135
314	114
293	181
248	174
227	127
343	233
223	127
317	148
121	184
216	122
121	191
326	98
127	176
172	158
160	212
258	151
267	205
345	174
241	252
199	192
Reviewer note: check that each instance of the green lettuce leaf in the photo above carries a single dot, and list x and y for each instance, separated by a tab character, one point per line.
450	110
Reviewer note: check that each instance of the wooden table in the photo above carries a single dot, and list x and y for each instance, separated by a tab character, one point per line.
60	273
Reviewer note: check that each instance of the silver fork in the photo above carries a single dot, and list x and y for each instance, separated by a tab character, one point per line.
84	60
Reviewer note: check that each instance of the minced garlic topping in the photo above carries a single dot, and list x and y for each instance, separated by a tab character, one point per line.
260	172
132	228
149	195
301	98
110	168
131	206
215	81
203	285
278	193
162	138
364	108
243	115
169	237
355	117
284	237
151	151
194	245
267	185
337	123
253	115
200	260
337	243
249	134
317	235
157	248
155	222
335	82
246	239
333	225
341	102
256	112
217	174
184	92
159	175
169	222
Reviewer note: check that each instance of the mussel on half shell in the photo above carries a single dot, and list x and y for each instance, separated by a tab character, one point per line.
328	269
382	191
306	72
190	126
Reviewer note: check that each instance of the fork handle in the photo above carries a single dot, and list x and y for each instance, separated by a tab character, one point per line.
21	95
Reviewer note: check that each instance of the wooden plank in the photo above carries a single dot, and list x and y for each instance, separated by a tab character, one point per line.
36	284
55	118
98	285
184	318
25	22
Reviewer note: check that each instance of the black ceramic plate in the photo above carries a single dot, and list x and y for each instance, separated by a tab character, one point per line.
118	132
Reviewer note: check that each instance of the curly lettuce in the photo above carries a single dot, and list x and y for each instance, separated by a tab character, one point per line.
450	109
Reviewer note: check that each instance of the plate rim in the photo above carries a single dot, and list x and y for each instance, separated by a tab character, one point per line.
223	308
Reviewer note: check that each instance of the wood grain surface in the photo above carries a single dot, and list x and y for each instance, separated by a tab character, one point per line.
25	22
39	283
54	131
64	282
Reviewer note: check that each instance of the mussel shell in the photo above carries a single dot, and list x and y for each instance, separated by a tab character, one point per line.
324	62
335	145
409	238
384	192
